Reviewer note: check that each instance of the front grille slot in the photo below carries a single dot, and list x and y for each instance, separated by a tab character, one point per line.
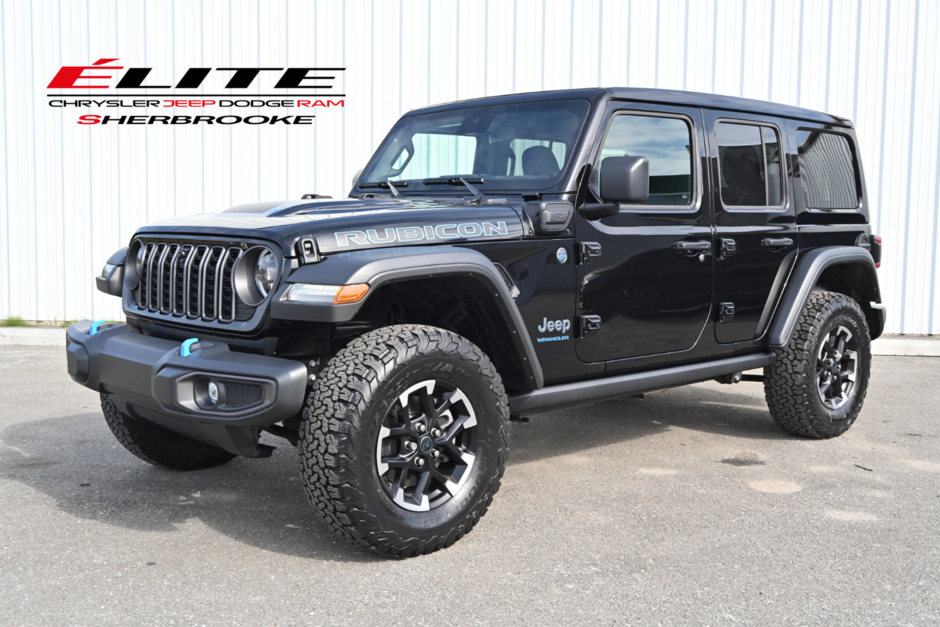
227	295
153	273
166	277
210	283
179	279
190	280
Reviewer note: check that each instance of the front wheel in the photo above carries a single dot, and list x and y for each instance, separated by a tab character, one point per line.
404	439
818	384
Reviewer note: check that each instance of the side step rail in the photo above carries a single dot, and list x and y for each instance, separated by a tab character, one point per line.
568	395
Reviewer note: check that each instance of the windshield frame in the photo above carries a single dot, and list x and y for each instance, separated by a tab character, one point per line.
563	182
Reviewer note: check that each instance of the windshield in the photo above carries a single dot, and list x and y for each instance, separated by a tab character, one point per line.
518	146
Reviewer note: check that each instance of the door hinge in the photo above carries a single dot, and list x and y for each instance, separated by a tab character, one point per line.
590	252
728	247
589	324
725	312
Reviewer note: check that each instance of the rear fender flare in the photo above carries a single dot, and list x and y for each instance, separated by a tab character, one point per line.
809	269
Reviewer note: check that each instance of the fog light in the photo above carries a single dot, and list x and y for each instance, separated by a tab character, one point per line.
213	392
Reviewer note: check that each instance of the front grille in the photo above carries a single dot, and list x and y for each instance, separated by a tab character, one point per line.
242	394
192	280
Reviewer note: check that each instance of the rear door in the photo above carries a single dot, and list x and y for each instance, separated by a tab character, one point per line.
756	236
648	294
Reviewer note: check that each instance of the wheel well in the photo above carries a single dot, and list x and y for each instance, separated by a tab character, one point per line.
462	305
855	281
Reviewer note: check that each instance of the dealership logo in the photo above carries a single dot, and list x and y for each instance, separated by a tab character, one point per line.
108	84
103	71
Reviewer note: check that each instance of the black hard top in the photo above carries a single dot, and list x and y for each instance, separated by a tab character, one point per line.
664	96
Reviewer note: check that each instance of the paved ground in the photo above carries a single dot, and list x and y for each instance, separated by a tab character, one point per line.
688	507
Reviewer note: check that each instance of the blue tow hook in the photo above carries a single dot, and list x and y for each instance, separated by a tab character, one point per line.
184	349
94	326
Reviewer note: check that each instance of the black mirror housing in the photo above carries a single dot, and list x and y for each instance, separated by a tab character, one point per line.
625	179
597	211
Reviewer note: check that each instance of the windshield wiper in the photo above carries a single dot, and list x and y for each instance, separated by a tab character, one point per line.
457	180
385	185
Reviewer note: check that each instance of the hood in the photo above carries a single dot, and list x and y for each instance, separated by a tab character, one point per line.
346	225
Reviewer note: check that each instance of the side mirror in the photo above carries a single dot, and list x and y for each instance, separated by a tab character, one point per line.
356	176
625	179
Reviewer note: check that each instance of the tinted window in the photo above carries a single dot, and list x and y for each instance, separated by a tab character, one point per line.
749	165
827	171
772	155
665	142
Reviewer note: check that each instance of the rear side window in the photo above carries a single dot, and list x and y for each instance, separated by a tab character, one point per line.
749	165
827	171
666	142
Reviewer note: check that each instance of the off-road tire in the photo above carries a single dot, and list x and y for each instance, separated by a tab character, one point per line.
158	446
341	420
790	385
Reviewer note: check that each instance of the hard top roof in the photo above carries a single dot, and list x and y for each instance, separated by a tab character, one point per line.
664	96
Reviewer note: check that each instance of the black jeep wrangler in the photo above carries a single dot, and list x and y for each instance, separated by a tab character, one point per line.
496	258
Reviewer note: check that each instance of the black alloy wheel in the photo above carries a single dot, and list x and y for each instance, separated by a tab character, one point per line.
836	367
426	445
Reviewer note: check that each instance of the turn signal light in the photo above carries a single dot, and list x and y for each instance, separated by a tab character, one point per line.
351	294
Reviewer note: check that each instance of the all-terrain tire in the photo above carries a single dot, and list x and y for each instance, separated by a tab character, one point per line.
341	429
158	446
791	384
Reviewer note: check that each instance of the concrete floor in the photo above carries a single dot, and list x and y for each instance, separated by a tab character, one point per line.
688	507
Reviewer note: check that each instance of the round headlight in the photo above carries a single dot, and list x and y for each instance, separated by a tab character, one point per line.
266	272
133	264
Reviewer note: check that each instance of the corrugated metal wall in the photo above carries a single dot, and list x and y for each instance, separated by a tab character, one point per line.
70	195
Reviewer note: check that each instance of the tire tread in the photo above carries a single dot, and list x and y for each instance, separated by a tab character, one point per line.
335	412
790	384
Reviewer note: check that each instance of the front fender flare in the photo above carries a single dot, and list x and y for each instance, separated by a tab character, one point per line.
809	268
382	266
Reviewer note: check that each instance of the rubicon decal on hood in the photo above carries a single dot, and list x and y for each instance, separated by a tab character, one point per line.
350	224
370	238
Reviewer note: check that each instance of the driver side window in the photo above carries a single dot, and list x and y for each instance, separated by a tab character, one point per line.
666	142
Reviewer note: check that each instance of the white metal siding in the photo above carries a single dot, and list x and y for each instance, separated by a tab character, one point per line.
70	195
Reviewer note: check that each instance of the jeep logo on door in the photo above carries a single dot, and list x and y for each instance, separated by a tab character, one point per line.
554	326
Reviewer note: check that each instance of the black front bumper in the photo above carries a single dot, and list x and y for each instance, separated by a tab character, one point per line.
149	379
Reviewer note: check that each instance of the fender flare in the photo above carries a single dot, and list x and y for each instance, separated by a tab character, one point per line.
113	283
382	266
809	268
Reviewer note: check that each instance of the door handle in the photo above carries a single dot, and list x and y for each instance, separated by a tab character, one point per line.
698	246
777	242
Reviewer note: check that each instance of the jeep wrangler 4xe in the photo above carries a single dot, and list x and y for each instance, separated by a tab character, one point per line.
496	258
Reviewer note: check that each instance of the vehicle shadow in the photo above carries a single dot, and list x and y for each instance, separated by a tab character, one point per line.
718	411
76	461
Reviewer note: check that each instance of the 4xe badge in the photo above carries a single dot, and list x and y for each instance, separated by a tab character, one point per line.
554	326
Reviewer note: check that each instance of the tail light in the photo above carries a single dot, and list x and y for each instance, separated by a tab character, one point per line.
876	250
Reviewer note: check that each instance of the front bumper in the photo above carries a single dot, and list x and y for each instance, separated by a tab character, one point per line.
149	379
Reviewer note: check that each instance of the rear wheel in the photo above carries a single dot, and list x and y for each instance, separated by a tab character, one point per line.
158	446
818	384
404	439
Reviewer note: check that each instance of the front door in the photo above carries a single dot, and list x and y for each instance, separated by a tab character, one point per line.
756	235
645	274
